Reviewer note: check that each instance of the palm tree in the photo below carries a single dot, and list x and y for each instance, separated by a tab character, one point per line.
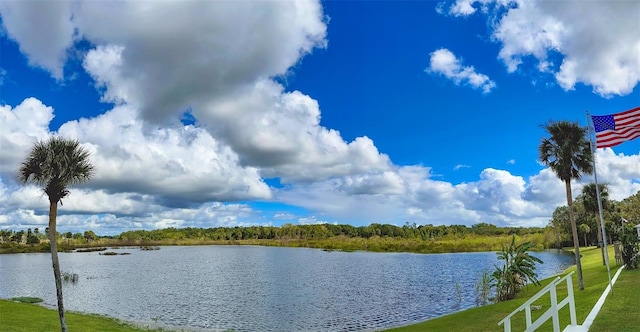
590	202
55	165
585	229
568	154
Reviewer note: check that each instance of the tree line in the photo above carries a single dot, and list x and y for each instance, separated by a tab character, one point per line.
324	231
616	215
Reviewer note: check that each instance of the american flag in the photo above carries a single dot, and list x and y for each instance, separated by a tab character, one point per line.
614	129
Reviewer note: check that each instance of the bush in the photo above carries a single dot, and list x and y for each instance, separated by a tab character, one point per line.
630	243
518	269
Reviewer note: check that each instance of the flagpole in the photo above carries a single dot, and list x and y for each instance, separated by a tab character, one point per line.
595	177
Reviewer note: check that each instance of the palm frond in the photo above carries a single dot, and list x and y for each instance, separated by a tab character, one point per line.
56	164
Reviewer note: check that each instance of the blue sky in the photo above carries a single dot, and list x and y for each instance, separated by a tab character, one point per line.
305	112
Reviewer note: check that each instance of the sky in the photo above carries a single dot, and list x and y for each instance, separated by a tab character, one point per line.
238	113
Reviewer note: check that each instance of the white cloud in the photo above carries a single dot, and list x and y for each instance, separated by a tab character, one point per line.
235	44
445	63
596	45
222	74
460	166
177	166
620	172
280	132
21	127
313	220
43	30
249	128
511	161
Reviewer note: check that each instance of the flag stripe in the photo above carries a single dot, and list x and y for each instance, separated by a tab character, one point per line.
615	129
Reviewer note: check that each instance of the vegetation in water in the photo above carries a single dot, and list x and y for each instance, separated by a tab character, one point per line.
91	249
26	299
483	289
69	277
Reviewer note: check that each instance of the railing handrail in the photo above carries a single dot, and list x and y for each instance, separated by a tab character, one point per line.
555	306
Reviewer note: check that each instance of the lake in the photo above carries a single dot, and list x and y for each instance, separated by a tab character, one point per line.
252	288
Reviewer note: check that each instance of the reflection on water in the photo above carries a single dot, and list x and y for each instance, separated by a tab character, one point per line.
245	288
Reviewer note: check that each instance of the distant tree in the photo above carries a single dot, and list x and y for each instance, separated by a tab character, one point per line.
17	237
90	236
31	237
590	202
55	165
5	235
568	153
630	208
585	229
630	247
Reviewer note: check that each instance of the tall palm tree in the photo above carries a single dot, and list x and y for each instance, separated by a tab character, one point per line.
590	202
55	165
568	154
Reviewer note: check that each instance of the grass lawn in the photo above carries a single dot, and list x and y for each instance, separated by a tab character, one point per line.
24	317
620	312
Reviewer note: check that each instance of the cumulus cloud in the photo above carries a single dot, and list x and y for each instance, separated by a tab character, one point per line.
497	197
218	60
619	171
593	42
166	67
22	126
145	178
222	74
179	165
280	132
445	63
43	29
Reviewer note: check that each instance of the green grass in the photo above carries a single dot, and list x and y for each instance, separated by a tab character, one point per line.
620	311
23	317
486	318
618	314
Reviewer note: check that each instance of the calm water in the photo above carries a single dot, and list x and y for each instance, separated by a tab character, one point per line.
244	288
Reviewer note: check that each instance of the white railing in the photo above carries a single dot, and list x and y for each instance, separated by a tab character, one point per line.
551	312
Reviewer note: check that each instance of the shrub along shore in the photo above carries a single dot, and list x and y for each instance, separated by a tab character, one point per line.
614	316
374	237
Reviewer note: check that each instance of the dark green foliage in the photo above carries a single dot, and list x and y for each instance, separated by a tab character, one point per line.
630	247
324	231
56	164
518	270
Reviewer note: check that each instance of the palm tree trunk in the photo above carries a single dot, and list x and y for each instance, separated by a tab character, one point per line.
574	230
53	212
600	243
